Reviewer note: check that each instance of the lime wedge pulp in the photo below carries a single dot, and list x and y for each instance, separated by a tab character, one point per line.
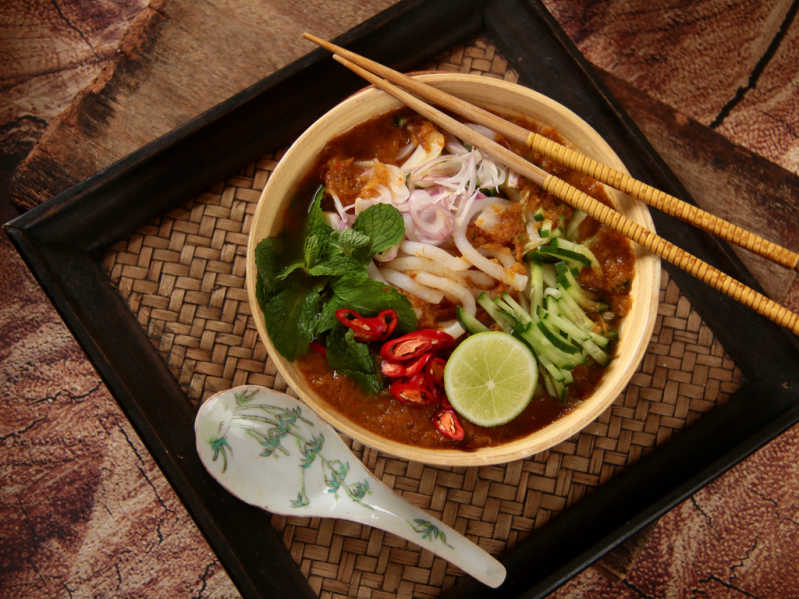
490	378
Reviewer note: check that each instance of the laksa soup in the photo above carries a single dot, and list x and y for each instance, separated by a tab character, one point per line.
435	298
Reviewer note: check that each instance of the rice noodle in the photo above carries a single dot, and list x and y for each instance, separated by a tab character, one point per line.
499	252
432	252
406	283
374	272
453	291
404	152
415	263
515	280
410	264
453	328
388	255
481	279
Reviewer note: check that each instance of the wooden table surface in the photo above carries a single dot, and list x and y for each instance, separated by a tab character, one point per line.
85	511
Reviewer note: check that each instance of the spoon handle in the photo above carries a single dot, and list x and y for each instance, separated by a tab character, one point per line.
395	515
269	450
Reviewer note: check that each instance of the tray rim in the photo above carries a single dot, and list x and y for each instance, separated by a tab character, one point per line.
62	242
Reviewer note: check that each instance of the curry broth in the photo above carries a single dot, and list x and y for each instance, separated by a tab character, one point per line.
383	139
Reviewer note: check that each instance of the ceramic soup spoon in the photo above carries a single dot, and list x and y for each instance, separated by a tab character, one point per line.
274	452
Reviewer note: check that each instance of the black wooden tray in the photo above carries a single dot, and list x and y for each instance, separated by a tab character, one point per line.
64	240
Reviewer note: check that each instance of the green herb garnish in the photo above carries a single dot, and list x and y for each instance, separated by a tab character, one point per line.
301	285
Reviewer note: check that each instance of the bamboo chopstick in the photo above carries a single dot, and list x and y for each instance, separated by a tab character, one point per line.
594	208
577	161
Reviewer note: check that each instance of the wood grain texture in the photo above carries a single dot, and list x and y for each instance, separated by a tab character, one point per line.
84	509
727	541
733	182
712	60
51	51
182	57
733	539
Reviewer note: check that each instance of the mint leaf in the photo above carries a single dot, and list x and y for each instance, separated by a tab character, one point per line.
316	223
291	317
355	290
372	383
288	269
383	224
327	318
334	266
314	248
268	264
350	242
352	358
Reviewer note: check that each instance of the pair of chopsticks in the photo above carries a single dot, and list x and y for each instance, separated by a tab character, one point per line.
373	71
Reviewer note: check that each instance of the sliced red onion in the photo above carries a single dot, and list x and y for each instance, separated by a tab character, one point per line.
454	145
432	222
482	130
490	175
455	172
410	228
341	210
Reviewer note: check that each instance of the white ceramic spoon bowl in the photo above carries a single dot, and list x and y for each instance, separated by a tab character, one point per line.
273	452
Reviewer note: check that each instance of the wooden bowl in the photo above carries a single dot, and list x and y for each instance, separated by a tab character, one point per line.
507	99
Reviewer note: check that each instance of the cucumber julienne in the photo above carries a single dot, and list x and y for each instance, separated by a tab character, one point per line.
557	326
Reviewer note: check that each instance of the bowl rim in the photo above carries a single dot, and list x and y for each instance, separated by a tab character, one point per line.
544	438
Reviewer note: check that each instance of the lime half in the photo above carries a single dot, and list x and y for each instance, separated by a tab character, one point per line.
490	378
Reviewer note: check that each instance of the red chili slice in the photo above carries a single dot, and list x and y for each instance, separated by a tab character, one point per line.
397	369
318	348
423	379
412	345
364	328
389	318
447	423
412	393
392	370
435	368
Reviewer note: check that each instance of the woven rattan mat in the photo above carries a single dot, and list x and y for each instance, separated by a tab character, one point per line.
183	278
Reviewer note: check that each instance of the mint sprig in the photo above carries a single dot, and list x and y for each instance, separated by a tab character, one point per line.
300	287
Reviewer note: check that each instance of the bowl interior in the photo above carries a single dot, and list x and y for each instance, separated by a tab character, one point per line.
507	99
